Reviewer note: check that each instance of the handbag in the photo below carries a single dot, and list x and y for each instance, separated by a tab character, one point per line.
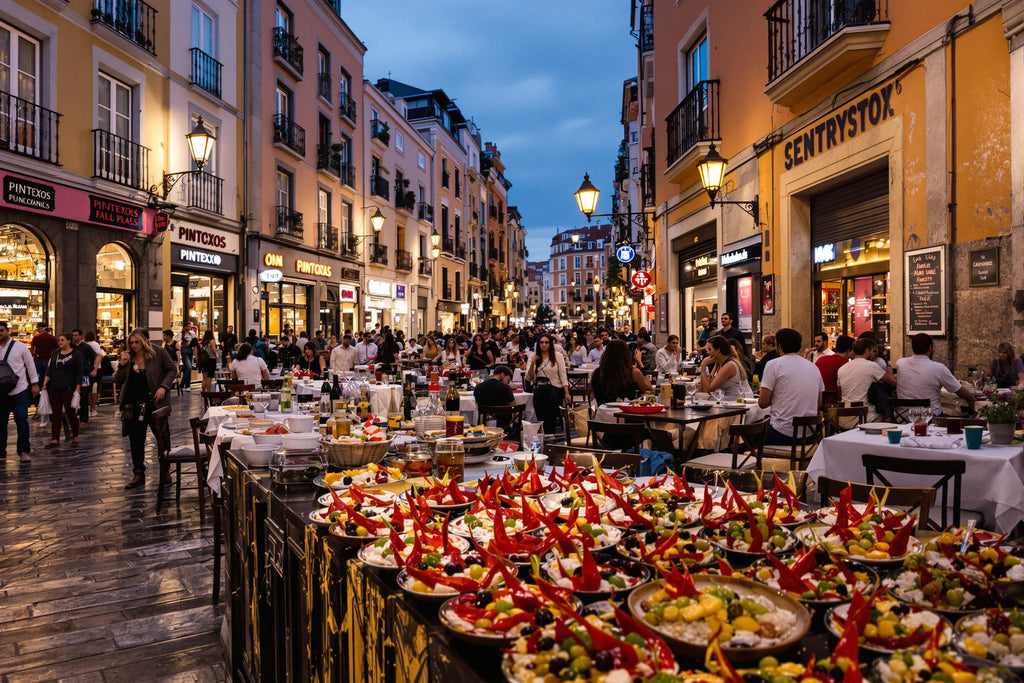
8	378
44	404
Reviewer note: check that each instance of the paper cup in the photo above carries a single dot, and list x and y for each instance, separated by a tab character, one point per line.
973	434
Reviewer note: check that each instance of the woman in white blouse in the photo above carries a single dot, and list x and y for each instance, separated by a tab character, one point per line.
669	357
551	385
450	355
248	367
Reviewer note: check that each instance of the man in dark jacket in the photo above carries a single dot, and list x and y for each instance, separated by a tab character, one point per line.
228	341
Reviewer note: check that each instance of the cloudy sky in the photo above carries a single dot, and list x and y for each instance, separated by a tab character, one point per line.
542	79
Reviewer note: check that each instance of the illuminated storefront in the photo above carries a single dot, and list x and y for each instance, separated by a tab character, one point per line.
115	292
24	280
204	261
295	290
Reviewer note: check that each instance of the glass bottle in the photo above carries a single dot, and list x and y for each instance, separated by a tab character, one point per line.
452	401
394	414
408	399
363	407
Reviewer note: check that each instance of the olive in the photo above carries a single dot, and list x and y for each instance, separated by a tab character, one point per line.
651	537
546	643
473	559
685	535
371	513
358	507
734	610
648	508
634	569
578	571
604	660
631	543
351	528
452	568
899	609
422	566
347	481
607	573
566	502
842	589
527	629
543	617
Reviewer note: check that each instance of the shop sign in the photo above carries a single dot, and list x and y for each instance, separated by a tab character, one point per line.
625	253
825	253
379	287
731	258
870	110
105	211
197	256
204	237
640	279
347	294
399	291
985	267
465	309
273	260
160	221
272	275
926	291
30	194
311	268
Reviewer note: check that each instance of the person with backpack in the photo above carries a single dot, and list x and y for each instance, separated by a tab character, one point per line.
208	360
90	372
19	384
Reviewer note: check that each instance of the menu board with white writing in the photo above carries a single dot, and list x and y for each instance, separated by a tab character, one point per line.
926	291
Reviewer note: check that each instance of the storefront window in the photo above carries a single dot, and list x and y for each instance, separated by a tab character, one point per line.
200	299
115	282
24	280
853	287
285	305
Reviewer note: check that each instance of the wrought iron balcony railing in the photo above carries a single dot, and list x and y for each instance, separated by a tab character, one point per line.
379	253
328	160
379	130
380	186
403	259
120	160
448	245
426	267
474	270
327	237
28	129
647	27
348	107
287	48
350	247
425	212
405	200
289	134
134	19
797	27
204	191
348	174
694	120
289	221
460	250
205	71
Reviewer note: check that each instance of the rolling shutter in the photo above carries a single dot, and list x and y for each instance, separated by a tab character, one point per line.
854	209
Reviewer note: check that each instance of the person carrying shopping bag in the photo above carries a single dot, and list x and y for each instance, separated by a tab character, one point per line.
62	383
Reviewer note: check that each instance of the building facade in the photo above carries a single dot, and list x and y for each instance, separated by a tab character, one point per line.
577	263
871	175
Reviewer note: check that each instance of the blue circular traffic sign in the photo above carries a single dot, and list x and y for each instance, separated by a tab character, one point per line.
625	253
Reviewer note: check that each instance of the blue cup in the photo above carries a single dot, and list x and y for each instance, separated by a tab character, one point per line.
894	436
973	435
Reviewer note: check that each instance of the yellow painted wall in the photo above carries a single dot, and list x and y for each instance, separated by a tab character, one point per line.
910	104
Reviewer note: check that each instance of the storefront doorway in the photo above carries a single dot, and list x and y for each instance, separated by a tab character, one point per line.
330	314
853	305
198	298
115	292
24	280
285	304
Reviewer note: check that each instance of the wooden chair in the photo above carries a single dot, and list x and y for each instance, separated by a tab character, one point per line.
965	421
746	446
843	418
745	480
584	457
239	387
212	399
273	384
509	418
198	454
617	435
900	407
232	401
575	419
908	498
807	433
829	398
947	471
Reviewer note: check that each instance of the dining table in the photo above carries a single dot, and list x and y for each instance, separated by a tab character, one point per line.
993	483
689	416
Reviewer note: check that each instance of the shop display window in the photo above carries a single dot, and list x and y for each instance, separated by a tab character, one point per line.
24	280
115	282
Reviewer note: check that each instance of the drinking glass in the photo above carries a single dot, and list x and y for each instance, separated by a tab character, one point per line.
450	459
718	395
978	378
533	443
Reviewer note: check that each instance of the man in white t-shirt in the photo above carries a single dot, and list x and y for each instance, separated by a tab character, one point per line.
857	376
791	386
820	348
597	350
366	349
918	376
344	357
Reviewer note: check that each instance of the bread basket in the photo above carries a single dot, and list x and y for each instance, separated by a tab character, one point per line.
352	454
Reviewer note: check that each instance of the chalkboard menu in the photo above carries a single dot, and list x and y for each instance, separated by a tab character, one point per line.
926	291
985	267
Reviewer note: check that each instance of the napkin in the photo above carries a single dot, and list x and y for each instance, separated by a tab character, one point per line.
937	442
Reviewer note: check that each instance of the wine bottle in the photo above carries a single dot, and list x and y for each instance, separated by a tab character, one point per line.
408	400
452	401
363	407
336	390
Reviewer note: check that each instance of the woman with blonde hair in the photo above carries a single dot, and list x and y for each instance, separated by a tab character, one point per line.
145	376
721	369
1006	368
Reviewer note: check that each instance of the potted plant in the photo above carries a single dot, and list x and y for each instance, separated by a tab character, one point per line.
1002	414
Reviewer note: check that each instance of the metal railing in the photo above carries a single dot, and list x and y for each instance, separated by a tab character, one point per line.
426	267
120	160
205	71
134	19
204	191
287	48
474	270
460	250
403	259
492	211
447	292
448	245
379	130
289	222
289	134
28	129
647	27
797	27
348	107
380	186
694	120
327	237
405	200
323	85
492	254
424	211
379	253
647	183
328	160
350	246
348	174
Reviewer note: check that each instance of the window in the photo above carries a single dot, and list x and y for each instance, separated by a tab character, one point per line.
421	160
203	34
19	75
283	101
114	107
458	229
323	208
345	153
458	188
561	296
323	70
444	222
283	18
575	261
697	63
400	142
444	173
323	133
561	264
344	88
346	218
561	281
283	188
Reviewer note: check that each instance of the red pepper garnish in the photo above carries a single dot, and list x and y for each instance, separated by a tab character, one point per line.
722	666
789	580
591	511
591	573
635	518
725	568
459	583
662	655
902	538
679	585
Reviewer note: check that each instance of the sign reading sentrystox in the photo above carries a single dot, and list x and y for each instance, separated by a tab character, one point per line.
844	123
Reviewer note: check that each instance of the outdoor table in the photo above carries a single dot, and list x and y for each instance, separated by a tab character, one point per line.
993	483
686	417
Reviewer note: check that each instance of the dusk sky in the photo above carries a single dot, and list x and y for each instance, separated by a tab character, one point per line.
543	80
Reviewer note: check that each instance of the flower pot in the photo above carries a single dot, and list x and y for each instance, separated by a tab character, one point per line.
1001	433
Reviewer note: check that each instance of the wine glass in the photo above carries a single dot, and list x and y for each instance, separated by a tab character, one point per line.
533	443
977	378
718	395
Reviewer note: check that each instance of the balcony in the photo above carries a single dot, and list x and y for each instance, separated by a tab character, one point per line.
289	222
403	259
28	129
406	201
328	160
348	174
445	178
492	254
425	212
205	72
448	245
460	250
133	19
692	122
202	190
327	237
474	271
323	86
647	27
347	108
492	211
811	45
379	253
426	267
120	160
350	247
288	50
446	292
289	134
379	131
647	172
380	187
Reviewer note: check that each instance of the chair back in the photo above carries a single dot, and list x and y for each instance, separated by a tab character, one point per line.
273	384
746	443
616	435
899	407
947	471
514	423
202	442
807	433
585	457
239	387
212	399
911	498
842	418
829	398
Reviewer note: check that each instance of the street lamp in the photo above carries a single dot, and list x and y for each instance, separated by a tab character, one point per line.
712	174
586	197
435	244
377	220
575	238
200	147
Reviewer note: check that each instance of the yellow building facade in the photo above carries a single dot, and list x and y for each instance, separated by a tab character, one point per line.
870	174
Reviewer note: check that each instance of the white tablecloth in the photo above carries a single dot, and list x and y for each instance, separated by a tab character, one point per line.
993	483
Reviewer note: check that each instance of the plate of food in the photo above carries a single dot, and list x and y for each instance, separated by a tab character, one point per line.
359	498
591	579
688	610
947	591
889	625
997	635
741	537
877	427
448	576
937	665
563	503
372	474
871	544
385	553
329	515
814	579
642	408
497	616
665	548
